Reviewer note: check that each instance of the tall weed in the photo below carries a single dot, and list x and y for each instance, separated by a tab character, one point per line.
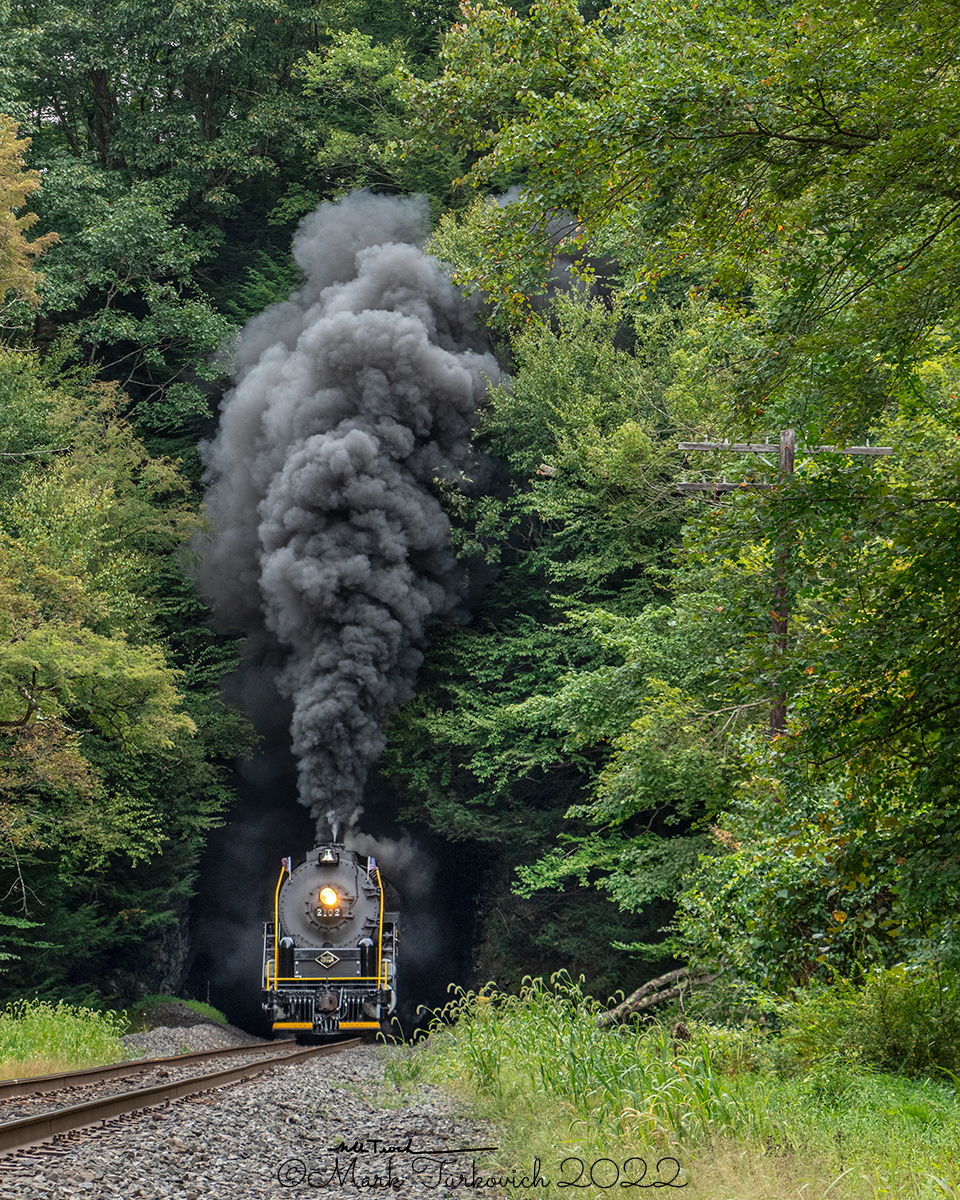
719	1103
546	1042
37	1036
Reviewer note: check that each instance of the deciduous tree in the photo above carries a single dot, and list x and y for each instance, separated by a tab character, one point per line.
17	253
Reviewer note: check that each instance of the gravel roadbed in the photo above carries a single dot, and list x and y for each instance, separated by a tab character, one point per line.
273	1137
163	1041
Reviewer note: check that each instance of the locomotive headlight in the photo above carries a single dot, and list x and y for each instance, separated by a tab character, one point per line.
329	898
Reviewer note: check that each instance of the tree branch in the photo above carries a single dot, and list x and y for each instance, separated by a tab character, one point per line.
655	992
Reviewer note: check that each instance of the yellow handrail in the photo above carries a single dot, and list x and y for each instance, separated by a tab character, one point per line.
276	933
380	930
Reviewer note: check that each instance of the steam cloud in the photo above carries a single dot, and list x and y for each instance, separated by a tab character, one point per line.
352	399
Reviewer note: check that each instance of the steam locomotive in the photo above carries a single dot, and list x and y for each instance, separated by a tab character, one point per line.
330	952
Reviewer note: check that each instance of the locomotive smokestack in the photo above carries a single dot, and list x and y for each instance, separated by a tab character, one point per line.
354	399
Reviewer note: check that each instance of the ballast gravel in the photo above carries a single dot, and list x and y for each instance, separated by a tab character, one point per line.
324	1127
201	1035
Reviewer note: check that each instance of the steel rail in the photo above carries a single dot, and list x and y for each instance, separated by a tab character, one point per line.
30	1085
32	1131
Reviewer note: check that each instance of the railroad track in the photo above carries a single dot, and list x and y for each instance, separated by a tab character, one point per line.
33	1085
38	1128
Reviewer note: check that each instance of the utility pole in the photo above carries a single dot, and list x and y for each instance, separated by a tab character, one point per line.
781	598
787	452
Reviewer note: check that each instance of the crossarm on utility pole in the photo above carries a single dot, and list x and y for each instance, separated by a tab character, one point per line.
786	449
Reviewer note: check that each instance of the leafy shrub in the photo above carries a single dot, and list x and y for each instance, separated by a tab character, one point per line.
903	1018
733	1050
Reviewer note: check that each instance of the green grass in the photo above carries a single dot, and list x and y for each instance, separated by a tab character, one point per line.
39	1038
724	1104
141	1013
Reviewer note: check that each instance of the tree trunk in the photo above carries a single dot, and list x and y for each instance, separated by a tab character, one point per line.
657	991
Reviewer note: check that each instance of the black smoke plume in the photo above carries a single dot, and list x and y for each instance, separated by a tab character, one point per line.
354	400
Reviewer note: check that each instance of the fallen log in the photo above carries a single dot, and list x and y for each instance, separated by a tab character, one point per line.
657	991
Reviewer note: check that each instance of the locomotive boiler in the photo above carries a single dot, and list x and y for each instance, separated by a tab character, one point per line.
330	952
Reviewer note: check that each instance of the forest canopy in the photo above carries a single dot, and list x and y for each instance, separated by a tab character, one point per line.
695	223
769	195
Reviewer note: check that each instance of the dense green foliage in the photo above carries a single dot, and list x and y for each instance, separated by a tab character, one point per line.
177	148
725	220
760	199
114	745
802	146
